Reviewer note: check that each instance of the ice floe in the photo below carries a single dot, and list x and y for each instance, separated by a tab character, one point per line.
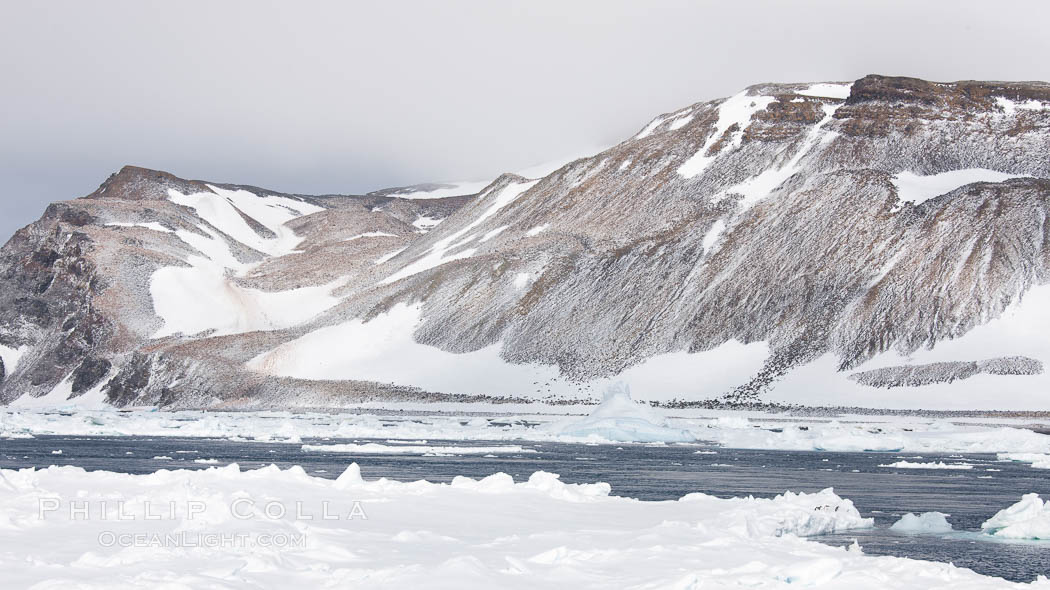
930	465
402	449
927	522
1027	519
1038	460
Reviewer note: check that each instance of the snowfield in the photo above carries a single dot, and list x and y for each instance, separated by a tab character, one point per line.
268	528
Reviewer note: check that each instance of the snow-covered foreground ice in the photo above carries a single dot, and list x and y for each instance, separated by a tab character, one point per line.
271	528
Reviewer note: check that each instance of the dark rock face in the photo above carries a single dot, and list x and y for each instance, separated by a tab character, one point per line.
128	385
48	291
778	219
89	373
947	372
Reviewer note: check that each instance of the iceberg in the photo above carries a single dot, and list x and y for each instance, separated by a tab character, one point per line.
621	419
927	522
1027	519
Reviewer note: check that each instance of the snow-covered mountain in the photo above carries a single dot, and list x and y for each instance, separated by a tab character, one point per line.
879	243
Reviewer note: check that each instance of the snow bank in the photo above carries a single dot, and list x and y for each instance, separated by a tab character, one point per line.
620	418
401	449
439	253
917	189
931	465
1027	519
488	533
927	522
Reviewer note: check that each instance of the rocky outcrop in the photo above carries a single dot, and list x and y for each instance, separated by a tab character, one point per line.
946	372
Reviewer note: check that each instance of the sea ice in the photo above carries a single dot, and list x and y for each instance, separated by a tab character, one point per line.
930	465
1038	460
286	528
402	449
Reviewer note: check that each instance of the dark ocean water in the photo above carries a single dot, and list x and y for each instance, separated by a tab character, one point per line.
649	473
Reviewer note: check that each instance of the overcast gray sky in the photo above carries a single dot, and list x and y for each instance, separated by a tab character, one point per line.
344	97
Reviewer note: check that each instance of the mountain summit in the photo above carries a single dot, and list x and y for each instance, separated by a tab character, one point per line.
879	243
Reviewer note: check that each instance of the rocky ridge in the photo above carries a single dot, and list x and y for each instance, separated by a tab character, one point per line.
867	228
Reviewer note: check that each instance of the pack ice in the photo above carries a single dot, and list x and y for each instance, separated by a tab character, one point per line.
488	533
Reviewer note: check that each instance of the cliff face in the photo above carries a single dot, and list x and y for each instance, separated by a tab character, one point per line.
887	235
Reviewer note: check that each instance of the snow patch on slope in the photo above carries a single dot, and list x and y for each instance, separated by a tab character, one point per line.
537	230
759	187
446	189
1010	107
203	298
153	225
736	110
60	396
383	349
917	189
438	253
220	209
648	129
825	90
427	223
371	234
11	356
